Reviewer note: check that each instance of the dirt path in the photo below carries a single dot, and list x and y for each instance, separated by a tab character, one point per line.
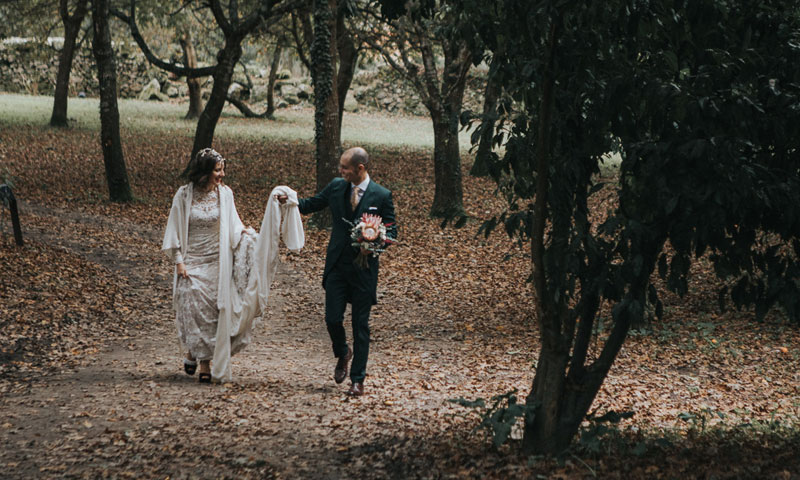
132	412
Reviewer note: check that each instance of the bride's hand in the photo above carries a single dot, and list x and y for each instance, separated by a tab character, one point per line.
182	270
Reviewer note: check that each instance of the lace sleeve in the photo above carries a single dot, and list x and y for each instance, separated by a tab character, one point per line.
175	255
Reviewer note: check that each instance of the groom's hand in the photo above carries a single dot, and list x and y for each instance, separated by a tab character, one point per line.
281	198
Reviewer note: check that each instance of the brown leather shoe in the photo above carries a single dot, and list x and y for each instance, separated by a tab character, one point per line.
340	373
356	389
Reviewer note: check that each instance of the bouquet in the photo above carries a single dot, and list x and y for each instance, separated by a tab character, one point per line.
369	234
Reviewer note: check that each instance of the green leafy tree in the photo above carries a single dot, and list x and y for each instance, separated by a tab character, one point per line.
702	101
484	134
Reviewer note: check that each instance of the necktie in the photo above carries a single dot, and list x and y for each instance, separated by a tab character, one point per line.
354	198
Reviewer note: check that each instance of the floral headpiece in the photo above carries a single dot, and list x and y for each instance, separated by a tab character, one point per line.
210	152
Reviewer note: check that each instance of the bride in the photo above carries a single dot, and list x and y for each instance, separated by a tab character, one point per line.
223	270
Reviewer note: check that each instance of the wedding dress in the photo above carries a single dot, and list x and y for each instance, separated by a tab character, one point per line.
230	269
196	319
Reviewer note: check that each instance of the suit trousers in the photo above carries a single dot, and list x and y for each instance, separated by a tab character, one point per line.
345	283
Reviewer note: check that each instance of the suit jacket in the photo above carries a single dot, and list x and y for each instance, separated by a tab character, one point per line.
376	200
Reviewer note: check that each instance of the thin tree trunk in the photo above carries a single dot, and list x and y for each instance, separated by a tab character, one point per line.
72	26
541	421
326	104
483	156
273	75
227	59
116	174
347	63
190	61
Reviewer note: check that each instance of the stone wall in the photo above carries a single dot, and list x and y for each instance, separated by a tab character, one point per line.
382	89
31	68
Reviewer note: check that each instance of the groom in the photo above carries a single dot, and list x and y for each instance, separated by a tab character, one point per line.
348	198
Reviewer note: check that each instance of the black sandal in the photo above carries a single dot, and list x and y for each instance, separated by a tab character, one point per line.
204	378
189	366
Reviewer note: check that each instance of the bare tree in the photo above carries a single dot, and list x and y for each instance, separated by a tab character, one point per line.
193	83
116	174
235	26
412	44
72	27
273	75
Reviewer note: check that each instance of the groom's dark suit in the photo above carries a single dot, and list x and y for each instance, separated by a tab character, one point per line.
343	281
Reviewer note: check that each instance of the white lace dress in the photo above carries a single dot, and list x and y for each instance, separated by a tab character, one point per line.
197	315
230	269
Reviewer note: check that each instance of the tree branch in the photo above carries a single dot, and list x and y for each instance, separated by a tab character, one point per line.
407	71
150	56
301	44
246	111
233	12
246	76
219	16
587	310
266	10
548	321
429	74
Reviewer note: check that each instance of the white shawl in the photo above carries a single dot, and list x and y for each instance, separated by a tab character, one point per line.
236	319
236	313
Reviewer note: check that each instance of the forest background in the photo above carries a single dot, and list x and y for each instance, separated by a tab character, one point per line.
696	387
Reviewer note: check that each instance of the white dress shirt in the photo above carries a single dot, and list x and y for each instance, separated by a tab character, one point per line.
362	187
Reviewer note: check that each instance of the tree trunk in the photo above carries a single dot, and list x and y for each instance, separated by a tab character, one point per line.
326	105
541	421
445	113
190	61
226	62
543	432
347	63
447	198
273	75
116	173
444	104
72	26
482	157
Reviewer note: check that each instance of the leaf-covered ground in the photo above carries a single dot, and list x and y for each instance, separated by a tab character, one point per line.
91	383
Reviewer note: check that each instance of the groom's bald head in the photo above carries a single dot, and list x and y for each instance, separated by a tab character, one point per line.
353	165
356	156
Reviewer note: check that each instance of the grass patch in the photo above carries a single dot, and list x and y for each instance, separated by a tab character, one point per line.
288	124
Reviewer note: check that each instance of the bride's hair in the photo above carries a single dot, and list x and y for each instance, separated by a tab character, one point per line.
199	170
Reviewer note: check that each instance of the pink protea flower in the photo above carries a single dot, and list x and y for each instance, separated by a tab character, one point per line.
370	227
